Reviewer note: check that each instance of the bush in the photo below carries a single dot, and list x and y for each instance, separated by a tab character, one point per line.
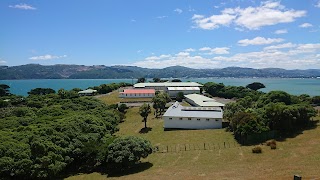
273	146
257	149
271	142
124	152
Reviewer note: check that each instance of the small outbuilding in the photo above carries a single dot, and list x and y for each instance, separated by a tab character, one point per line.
202	101
137	93
88	92
181	117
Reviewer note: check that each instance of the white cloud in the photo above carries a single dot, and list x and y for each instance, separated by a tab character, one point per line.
305	25
178	60
212	22
189	50
161	17
133	20
3	62
259	41
179	11
253	18
280	46
288	56
318	4
183	54
47	57
217	50
281	31
23	6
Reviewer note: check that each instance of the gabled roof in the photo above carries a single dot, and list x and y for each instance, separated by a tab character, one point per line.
168	84
176	110
203	101
138	91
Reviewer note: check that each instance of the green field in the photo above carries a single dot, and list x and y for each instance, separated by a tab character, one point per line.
297	155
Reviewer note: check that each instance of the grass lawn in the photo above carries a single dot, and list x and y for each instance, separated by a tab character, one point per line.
297	155
113	98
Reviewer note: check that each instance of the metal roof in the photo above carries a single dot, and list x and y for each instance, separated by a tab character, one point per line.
138	91
203	101
183	88
168	84
176	110
88	91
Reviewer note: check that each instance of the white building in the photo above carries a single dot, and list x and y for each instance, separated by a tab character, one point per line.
173	91
88	92
202	101
137	93
180	117
164	85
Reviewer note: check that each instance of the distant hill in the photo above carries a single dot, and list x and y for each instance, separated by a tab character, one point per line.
61	71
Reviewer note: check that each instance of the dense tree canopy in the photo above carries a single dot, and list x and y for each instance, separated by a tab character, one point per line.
41	91
255	86
46	134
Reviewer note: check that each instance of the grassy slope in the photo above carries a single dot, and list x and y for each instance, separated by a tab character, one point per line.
298	155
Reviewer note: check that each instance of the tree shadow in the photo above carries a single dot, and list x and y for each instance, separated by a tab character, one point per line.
280	136
135	169
284	136
145	130
103	170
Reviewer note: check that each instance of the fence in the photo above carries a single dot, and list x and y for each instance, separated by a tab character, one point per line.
194	147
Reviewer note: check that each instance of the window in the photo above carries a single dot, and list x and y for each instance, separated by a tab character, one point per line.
198	119
180	118
189	118
170	118
207	119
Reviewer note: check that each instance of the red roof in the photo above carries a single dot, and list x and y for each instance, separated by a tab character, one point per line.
139	91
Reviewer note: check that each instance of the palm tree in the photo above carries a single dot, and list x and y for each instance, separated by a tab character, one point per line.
144	111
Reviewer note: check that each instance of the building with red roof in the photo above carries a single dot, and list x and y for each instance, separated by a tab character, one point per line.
137	93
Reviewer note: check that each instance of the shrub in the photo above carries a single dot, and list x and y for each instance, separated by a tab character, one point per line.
271	142
273	146
124	152
257	149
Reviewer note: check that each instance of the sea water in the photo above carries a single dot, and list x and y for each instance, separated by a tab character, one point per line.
290	85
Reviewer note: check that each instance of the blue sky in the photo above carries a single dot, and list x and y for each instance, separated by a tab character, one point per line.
161	33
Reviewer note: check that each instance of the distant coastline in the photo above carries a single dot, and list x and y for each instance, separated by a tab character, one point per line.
36	71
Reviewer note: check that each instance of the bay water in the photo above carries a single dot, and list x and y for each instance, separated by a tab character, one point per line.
292	86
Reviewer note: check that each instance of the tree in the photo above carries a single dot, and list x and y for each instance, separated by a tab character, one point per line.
4	90
274	96
144	111
122	108
180	96
176	80
255	86
158	104
41	91
156	79
125	152
141	80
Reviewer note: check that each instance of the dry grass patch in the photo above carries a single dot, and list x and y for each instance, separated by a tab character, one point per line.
299	155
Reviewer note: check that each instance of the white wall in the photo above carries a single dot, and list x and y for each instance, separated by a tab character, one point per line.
175	122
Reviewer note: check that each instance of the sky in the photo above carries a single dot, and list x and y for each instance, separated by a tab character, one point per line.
161	33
